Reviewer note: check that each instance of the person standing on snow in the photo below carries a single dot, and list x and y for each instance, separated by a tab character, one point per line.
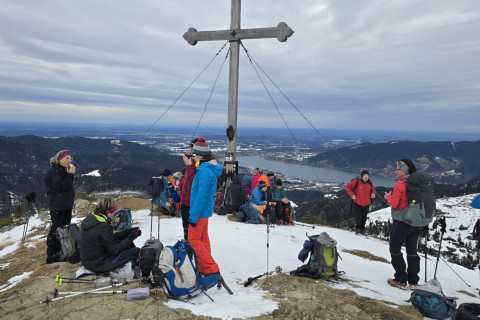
401	232
361	190
204	186
185	187
61	195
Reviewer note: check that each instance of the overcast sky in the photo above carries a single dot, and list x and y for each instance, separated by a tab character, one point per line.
371	64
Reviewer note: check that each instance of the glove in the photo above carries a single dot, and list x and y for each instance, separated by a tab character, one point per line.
134	234
193	225
129	230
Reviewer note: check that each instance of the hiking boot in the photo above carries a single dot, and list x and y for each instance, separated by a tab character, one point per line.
397	284
412	286
357	232
52	259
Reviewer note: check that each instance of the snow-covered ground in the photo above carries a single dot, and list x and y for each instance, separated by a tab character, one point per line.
241	252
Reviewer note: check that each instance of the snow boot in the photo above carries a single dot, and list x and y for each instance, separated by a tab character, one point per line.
397	284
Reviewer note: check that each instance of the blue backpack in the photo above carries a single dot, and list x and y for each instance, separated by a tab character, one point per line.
179	267
431	302
122	219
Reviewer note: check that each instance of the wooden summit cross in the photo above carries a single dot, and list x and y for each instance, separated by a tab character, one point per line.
234	35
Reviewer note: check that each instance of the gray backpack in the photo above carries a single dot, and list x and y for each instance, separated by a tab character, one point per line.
421	200
69	237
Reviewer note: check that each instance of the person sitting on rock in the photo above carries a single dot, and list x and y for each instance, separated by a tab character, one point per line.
102	250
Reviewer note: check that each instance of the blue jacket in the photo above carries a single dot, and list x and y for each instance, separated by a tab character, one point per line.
204	186
257	196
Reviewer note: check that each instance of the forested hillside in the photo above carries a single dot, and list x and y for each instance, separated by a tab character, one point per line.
449	162
24	161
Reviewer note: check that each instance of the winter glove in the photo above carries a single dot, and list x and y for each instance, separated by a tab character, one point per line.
129	230
192	224
134	234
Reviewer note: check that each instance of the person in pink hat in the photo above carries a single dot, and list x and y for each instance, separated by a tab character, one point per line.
61	195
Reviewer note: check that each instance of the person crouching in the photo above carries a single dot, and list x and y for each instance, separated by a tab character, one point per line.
102	250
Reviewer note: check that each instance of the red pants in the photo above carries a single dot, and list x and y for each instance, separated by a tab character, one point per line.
198	238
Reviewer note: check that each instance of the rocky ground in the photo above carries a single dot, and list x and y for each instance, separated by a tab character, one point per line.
298	298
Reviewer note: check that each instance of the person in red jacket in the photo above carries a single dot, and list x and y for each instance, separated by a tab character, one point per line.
362	190
401	233
185	187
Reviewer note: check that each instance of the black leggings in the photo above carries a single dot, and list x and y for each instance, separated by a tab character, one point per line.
185	215
59	219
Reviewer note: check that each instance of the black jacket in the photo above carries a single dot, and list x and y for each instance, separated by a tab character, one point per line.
235	195
99	242
60	192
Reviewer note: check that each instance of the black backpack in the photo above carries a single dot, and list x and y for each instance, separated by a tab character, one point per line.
468	311
421	200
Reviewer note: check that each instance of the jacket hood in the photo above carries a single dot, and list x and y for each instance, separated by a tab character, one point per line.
92	220
211	165
235	179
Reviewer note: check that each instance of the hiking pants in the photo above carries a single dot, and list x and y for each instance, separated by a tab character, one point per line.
59	219
281	211
256	215
360	216
118	261
198	238
399	234
185	215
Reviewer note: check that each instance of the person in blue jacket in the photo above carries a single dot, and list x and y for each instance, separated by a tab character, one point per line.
258	201
204	186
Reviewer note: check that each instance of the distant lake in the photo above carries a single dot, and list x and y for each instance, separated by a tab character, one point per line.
308	172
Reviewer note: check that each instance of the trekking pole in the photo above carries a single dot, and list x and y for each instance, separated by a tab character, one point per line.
151	211
269	198
455	272
443	229
426	250
55	292
47	300
30	199
278	269
304	224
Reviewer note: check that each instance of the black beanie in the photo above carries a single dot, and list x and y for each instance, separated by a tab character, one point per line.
363	173
279	182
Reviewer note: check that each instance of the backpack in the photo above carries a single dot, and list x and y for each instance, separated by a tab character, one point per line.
122	219
179	267
431	302
468	311
421	200
476	230
323	257
69	238
149	256
358	178
218	200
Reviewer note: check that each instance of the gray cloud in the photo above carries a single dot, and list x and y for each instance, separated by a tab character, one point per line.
407	65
